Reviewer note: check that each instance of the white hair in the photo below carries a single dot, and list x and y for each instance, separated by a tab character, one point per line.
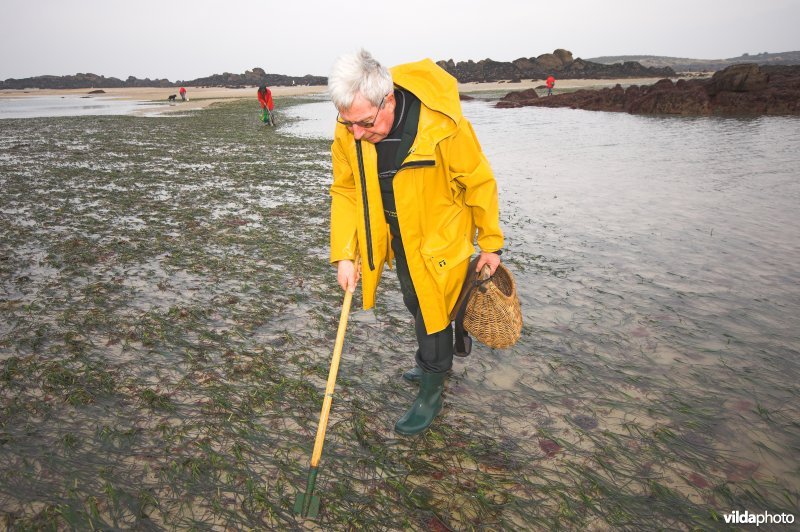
358	73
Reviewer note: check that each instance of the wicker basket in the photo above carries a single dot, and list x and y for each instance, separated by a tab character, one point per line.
492	313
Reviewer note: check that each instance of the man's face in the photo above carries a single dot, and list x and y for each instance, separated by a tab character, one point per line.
363	111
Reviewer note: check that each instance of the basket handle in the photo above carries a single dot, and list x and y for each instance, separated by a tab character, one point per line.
463	343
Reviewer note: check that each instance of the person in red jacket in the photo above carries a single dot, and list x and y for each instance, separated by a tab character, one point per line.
183	94
267	105
551	81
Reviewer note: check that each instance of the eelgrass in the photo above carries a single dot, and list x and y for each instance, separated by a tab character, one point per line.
168	315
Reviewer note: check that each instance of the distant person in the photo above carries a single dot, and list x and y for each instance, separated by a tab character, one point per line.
183	94
267	105
551	82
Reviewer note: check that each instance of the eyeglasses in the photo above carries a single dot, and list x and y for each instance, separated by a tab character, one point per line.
366	124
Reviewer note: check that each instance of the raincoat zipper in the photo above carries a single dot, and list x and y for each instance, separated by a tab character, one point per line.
364	200
415	164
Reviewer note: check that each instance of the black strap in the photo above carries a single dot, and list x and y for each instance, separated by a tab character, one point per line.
463	343
473	281
409	132
365	203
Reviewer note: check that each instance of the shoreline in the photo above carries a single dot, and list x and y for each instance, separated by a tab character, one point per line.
561	84
156	98
202	97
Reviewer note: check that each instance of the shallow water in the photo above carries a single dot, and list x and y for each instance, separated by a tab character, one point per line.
671	247
55	106
311	120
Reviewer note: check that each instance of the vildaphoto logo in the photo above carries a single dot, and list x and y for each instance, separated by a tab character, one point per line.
747	518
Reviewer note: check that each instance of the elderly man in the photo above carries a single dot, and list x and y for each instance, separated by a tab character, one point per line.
410	181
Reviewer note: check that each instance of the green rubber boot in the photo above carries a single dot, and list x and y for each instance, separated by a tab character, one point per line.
413	375
425	407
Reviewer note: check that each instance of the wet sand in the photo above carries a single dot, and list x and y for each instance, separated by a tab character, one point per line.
199	97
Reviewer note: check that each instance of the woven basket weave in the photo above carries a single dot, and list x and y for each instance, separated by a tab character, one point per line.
493	315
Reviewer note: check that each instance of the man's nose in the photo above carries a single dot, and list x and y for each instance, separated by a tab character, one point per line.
358	131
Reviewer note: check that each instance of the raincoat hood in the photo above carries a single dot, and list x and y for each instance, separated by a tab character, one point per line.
437	89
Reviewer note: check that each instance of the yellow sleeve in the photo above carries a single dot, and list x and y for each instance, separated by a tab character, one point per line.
470	169
343	206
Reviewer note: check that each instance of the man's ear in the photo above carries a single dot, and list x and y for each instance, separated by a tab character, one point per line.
390	102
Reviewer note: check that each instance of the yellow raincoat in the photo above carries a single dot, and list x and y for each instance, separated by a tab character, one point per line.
445	193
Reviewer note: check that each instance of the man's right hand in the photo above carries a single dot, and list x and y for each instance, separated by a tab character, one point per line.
347	275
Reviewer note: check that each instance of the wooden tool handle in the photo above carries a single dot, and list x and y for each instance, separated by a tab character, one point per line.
326	403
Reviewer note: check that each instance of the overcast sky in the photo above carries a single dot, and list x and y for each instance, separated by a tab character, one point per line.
184	40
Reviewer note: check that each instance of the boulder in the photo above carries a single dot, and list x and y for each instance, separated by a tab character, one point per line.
524	64
746	77
549	62
518	99
564	55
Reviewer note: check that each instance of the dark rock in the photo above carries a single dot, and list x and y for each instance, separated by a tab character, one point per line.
560	63
524	65
558	60
667	99
737	90
738	78
518	99
250	78
98	91
80	81
484	70
564	55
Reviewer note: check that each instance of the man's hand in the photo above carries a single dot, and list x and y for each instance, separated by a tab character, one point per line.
490	259
347	275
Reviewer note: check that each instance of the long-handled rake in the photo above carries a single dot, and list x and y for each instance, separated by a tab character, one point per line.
307	504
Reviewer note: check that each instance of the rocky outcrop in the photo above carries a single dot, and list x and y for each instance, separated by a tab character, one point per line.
250	78
254	77
521	97
738	90
560	64
738	78
80	81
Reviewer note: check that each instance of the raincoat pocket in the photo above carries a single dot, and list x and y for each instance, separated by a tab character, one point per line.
441	260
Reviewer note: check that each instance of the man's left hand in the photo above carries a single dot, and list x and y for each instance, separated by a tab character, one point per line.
490	259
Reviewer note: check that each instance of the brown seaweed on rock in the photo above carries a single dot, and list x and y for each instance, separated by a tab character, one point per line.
739	90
